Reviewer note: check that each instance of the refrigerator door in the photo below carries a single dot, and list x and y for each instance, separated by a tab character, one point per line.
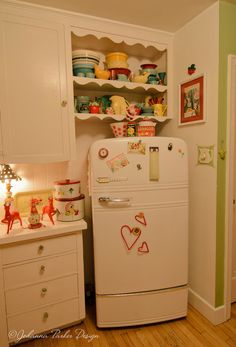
138	161
140	249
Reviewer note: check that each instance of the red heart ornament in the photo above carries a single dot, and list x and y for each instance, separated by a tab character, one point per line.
141	218
129	237
143	248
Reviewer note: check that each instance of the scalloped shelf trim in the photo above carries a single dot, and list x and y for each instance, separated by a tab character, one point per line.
131	41
91	116
119	84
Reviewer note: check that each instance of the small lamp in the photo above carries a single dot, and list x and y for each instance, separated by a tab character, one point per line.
6	176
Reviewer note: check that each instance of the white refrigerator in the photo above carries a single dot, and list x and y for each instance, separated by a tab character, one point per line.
139	190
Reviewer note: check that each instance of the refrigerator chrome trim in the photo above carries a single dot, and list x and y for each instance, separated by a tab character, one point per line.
107	199
147	292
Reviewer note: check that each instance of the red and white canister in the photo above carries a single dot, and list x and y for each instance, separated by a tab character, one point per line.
67	189
69	210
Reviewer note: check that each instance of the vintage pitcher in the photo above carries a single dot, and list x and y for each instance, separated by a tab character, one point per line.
159	110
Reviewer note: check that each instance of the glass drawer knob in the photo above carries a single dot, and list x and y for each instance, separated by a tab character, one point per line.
45	316
41	248
43	291
42	268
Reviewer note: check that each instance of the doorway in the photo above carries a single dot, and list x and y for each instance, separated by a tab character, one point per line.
230	226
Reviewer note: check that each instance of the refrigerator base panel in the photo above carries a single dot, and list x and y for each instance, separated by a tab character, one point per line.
141	308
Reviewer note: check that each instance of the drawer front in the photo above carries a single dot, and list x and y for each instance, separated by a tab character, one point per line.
38	249
45	319
40	271
45	293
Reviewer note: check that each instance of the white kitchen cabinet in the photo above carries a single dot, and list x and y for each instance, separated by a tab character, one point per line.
33	91
41	280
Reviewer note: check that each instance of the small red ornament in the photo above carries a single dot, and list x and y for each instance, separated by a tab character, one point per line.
191	69
94	109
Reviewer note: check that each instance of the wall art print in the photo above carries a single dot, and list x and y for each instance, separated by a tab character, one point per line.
192	95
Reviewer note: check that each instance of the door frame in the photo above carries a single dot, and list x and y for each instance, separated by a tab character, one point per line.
230	181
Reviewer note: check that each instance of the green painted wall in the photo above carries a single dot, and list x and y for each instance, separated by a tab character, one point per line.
227	45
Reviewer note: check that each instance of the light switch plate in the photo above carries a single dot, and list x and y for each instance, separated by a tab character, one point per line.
206	155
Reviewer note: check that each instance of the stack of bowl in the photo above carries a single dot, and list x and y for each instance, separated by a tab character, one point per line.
153	74
83	62
116	63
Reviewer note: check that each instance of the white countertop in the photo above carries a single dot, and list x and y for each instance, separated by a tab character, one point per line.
23	233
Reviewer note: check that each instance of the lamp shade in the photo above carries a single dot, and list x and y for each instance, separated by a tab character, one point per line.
7	173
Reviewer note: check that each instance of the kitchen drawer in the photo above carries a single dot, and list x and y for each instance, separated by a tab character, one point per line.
38	249
39	271
32	297
44	319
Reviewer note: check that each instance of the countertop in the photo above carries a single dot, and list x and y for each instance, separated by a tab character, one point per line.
18	233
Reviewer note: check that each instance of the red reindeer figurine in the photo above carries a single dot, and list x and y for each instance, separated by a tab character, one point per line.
11	217
49	209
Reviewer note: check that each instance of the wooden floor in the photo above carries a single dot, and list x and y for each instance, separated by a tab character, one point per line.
194	330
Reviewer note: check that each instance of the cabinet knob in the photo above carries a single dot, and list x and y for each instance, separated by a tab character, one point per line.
63	103
43	291
42	268
40	249
45	316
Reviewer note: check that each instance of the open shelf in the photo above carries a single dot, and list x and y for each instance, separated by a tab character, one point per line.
90	116
114	85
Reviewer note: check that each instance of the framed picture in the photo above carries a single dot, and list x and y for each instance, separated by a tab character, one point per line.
192	101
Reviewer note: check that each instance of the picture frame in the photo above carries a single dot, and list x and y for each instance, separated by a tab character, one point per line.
192	96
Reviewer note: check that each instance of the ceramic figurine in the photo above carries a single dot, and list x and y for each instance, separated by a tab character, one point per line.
11	217
49	209
101	74
141	78
34	217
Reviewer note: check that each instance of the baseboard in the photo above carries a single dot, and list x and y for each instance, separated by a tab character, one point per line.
216	315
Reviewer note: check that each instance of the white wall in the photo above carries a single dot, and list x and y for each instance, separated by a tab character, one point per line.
197	43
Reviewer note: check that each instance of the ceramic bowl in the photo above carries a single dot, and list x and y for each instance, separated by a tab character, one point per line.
122	77
148	66
83	53
78	70
117	71
80	65
151	71
119	129
114	56
90	75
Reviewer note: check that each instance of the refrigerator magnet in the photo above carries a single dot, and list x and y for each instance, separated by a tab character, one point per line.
141	218
143	248
103	153
129	237
154	164
117	162
136	147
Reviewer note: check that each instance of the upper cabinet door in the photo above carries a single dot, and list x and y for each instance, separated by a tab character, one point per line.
33	91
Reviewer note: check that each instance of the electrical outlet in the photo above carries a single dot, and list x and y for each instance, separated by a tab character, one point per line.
206	155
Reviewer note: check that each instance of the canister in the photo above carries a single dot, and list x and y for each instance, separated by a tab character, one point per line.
67	189
146	128
131	129
70	210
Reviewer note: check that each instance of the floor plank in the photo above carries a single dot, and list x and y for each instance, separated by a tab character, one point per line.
192	331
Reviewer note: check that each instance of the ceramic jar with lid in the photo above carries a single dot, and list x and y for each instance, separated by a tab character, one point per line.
146	128
69	202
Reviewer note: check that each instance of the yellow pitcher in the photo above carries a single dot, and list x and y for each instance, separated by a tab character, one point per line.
159	110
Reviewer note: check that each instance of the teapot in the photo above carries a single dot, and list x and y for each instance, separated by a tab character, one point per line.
159	109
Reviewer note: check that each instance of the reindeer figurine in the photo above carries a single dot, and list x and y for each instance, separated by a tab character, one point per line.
49	209
34	217
11	217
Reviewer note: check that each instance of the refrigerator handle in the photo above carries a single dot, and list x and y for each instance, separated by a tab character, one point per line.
107	199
